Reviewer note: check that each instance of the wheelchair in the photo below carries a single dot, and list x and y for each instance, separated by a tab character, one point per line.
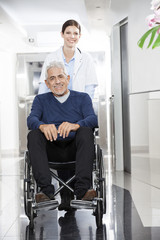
97	205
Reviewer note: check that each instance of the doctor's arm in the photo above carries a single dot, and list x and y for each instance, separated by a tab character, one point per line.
90	89
91	77
89	116
43	88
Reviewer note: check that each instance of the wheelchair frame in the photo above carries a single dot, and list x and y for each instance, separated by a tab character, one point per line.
98	204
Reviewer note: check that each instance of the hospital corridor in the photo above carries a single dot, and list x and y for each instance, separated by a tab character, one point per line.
79	80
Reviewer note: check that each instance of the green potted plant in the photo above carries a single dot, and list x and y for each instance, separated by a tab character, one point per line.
154	25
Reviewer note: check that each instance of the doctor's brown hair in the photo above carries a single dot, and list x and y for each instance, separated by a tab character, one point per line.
71	22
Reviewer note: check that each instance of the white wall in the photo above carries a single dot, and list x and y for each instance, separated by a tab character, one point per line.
144	71
8	110
154	128
139	122
143	66
144	76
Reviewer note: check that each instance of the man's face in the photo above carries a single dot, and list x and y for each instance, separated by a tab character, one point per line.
57	81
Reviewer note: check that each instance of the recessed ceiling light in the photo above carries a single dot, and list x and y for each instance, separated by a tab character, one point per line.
31	40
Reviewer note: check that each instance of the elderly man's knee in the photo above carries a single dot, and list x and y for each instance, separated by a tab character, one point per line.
34	135
85	134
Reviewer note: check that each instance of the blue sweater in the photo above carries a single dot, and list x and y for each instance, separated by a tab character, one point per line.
46	109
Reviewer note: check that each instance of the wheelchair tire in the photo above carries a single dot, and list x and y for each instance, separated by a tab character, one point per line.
99	214
103	193
28	192
102	180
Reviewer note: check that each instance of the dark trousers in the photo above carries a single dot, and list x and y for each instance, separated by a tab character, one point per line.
81	149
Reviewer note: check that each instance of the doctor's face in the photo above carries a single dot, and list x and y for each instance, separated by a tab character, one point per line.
71	36
57	81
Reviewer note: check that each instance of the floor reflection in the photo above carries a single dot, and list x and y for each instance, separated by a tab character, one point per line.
121	222
66	229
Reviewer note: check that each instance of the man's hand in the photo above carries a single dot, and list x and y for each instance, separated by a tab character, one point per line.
50	131
65	128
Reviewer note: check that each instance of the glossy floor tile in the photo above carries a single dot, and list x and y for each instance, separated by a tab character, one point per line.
145	187
133	211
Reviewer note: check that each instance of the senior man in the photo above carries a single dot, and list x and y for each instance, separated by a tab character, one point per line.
62	123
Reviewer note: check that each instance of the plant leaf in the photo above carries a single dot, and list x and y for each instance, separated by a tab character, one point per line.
144	37
157	42
152	38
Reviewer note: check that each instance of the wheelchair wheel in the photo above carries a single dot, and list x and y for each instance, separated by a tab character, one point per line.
101	188
99	214
102	179
28	192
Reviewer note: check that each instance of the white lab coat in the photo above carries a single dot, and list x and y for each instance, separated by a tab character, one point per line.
84	69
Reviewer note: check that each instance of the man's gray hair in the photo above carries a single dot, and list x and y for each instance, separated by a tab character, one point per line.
55	64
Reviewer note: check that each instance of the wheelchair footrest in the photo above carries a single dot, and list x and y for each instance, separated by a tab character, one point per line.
80	204
47	205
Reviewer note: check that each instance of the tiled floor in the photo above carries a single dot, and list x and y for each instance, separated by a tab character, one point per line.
133	210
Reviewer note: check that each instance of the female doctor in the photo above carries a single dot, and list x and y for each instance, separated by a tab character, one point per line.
79	65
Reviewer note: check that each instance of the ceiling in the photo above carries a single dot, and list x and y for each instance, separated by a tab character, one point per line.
38	23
